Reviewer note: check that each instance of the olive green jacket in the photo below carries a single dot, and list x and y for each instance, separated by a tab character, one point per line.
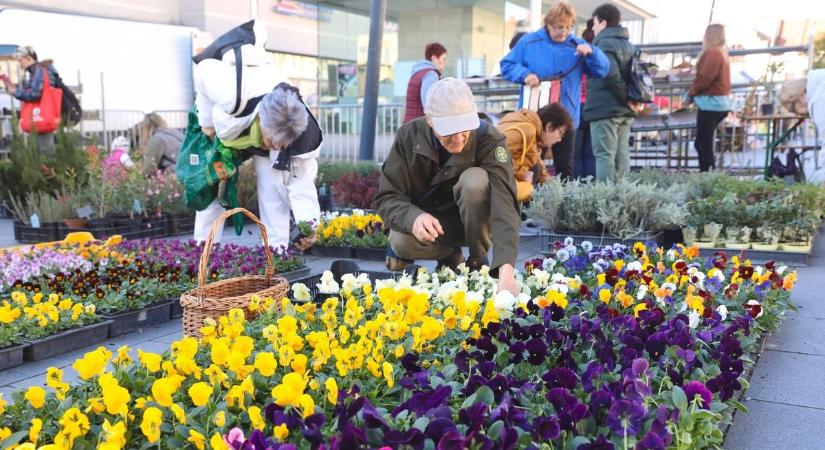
413	183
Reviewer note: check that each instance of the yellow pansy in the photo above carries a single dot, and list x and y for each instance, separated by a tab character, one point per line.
150	360
255	417
219	419
200	393
281	432
604	295
36	396
114	436
217	442
150	426
195	437
93	363
387	371
34	430
179	413
265	363
289	390
332	390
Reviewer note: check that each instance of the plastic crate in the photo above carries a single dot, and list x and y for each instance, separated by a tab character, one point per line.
48	232
548	237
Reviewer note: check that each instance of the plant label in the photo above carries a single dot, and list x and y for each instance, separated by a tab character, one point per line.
84	212
194	159
141	316
35	221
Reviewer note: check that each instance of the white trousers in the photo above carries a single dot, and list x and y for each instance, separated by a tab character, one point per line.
279	192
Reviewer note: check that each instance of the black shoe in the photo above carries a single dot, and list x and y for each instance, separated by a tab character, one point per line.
453	261
477	265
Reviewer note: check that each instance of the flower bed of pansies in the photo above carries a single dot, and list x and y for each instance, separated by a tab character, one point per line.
358	229
29	318
138	274
602	349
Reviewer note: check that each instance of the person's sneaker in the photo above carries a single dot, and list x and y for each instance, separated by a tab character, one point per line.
394	263
452	261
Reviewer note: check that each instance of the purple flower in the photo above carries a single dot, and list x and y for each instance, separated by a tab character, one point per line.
639	367
537	350
694	388
421	401
545	428
651	441
626	417
561	377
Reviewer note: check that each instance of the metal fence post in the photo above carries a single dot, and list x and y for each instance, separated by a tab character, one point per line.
377	14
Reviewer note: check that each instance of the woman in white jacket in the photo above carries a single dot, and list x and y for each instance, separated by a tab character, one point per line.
271	122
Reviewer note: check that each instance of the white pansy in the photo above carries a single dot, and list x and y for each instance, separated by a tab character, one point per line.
542	278
694	319
571	250
404	282
348	283
504	301
781	270
568	241
475	297
357	212
562	255
670	286
587	246
548	264
328	285
635	265
381	284
640	294
723	311
300	292
671	254
758	270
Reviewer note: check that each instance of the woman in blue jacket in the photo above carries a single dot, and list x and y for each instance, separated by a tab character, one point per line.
552	51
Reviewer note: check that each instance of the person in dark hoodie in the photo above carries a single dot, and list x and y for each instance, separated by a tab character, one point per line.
424	74
608	109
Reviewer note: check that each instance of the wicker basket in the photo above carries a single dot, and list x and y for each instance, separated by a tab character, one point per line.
216	299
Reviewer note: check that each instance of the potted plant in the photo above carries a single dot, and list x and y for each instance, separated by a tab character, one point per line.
767	107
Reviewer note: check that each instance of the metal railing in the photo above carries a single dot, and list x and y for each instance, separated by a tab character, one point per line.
341	125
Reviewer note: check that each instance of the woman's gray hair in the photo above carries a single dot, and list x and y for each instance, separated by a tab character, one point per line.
283	115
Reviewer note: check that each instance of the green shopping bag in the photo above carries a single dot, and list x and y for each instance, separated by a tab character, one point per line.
207	170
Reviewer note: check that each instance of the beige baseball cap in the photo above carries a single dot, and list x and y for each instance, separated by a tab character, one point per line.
451	107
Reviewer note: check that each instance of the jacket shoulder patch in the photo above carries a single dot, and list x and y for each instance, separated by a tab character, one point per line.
501	154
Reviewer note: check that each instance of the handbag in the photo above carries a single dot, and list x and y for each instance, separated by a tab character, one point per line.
548	91
42	116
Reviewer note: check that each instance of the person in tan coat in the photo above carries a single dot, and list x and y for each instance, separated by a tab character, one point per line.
530	135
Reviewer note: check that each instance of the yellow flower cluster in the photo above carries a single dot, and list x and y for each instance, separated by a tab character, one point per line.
344	228
298	356
53	312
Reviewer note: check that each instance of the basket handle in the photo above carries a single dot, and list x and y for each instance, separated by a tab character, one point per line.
203	267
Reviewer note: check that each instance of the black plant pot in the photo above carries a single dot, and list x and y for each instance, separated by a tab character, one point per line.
767	109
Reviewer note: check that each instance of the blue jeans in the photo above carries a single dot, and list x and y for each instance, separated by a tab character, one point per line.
584	163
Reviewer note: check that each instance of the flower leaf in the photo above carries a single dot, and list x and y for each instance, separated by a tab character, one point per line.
680	400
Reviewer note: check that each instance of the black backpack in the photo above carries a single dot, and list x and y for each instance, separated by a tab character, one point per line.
639	80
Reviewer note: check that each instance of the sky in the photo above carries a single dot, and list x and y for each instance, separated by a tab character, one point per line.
685	20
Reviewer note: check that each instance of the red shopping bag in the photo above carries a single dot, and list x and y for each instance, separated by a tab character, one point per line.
42	116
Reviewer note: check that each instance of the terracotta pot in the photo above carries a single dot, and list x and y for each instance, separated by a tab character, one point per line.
76	223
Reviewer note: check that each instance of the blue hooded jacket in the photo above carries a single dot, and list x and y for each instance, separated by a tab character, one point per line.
537	53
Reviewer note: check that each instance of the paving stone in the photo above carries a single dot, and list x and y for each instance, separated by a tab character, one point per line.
169	338
800	334
790	378
771	426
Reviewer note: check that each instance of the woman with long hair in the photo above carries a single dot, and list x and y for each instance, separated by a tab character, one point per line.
711	92
160	144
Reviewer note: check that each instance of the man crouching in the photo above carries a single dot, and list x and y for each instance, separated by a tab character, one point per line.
448	182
